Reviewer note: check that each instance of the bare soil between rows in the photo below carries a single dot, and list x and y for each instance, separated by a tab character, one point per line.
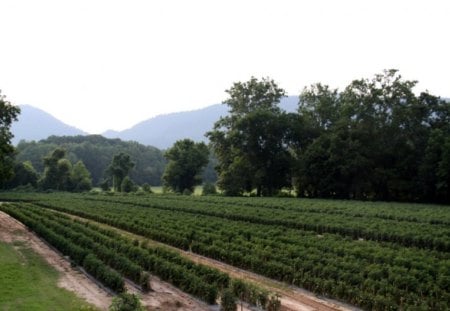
163	297
292	298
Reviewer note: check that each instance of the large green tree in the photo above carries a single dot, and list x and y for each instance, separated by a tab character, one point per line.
8	114
119	168
60	174
250	143
24	174
376	139
186	161
81	177
57	171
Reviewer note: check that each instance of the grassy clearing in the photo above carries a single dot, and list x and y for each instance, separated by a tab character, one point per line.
27	282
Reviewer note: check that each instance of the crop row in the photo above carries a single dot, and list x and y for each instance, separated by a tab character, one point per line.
132	260
366	273
410	234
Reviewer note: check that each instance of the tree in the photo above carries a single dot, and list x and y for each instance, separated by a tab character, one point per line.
250	143
186	160
8	114
57	171
374	140
127	185
80	177
24	174
209	189
119	168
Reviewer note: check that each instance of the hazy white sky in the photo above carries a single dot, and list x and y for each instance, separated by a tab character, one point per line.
106	64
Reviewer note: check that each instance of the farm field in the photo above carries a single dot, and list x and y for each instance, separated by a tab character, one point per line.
376	256
30	282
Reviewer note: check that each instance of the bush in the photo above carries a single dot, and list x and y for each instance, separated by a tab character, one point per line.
126	302
209	189
146	188
187	192
104	185
144	281
228	301
128	185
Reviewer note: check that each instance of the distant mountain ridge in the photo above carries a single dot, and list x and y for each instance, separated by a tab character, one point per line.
163	130
160	131
36	124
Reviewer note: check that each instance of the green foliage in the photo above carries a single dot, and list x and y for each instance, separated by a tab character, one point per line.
228	301
187	192
8	114
28	282
96	153
128	185
374	255
250	143
367	141
119	168
186	160
374	140
146	188
126	302
144	281
81	177
59	174
209	189
24	174
104	185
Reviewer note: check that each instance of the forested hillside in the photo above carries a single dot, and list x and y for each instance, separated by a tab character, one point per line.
96	152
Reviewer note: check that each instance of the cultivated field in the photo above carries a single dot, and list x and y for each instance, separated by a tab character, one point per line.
376	256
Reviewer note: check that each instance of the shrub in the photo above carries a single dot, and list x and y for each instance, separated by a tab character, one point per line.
128	185
209	189
126	302
228	301
146	188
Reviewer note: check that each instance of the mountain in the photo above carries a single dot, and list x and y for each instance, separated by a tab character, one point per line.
163	130
36	124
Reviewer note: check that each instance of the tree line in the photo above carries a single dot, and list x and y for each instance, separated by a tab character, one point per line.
376	139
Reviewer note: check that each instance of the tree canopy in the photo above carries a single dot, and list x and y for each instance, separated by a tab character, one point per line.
8	114
250	143
186	160
376	139
119	168
96	153
60	174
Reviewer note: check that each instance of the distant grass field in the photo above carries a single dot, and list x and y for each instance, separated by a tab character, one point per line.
27	282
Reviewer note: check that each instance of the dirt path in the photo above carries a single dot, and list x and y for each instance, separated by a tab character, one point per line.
163	297
292	298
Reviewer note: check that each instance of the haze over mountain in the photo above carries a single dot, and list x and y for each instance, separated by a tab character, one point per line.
163	130
160	131
36	124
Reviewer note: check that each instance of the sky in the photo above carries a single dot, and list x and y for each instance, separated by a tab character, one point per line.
105	64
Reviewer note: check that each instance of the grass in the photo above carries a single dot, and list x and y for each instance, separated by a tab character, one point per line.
27	282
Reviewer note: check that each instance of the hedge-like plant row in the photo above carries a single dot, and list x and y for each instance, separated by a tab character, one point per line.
372	225
127	257
114	253
94	266
373	275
